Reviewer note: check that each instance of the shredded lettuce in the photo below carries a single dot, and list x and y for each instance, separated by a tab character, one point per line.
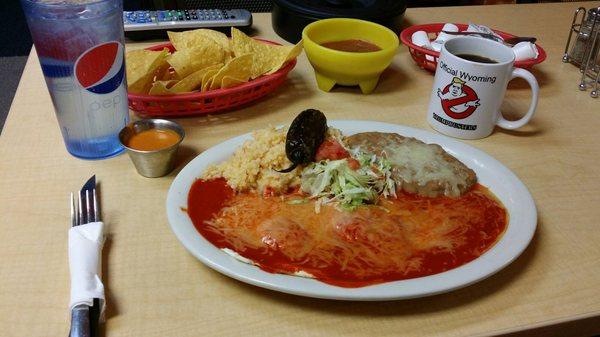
333	181
297	201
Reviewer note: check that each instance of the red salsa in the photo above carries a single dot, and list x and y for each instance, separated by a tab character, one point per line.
352	45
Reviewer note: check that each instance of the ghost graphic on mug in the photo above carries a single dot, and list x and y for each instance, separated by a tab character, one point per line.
458	99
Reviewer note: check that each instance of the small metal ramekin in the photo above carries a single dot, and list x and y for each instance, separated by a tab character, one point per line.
155	163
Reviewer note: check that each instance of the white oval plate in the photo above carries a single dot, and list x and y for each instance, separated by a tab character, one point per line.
490	172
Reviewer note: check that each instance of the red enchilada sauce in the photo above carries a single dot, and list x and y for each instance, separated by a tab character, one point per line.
206	198
412	237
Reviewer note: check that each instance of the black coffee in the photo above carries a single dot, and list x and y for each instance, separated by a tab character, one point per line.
476	58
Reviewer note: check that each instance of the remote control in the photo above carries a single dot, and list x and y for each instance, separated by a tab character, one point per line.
162	20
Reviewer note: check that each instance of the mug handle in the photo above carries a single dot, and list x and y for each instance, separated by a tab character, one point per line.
527	76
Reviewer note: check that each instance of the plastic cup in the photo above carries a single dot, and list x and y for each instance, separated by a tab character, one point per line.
80	47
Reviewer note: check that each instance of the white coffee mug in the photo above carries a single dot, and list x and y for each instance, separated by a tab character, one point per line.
466	96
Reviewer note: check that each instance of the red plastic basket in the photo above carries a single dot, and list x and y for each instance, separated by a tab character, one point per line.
199	103
419	54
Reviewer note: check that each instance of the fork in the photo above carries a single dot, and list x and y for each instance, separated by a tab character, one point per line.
84	319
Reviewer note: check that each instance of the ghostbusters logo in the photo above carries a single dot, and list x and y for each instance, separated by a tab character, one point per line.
458	100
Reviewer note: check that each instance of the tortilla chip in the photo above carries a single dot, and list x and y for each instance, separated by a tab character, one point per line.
229	82
187	61
167	75
208	78
162	88
239	67
268	58
291	54
193	38
198	62
142	66
193	81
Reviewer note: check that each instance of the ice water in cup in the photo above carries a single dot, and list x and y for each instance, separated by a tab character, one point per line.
81	51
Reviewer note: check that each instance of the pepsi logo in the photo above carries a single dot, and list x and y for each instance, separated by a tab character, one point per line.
101	69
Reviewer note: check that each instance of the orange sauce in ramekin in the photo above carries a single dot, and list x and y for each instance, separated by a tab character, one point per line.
153	139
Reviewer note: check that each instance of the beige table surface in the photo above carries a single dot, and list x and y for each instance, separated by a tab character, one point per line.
156	288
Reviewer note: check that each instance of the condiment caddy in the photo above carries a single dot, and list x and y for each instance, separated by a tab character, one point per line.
583	51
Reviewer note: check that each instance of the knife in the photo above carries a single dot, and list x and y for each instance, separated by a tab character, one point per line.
84	318
511	40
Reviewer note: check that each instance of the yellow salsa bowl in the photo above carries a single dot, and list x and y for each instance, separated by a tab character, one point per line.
348	68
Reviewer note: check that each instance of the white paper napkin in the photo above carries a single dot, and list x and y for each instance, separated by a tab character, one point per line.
85	263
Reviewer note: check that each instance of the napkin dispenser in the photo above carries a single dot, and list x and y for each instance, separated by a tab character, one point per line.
289	17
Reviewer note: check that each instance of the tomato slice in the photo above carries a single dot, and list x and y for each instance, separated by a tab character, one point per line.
331	149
